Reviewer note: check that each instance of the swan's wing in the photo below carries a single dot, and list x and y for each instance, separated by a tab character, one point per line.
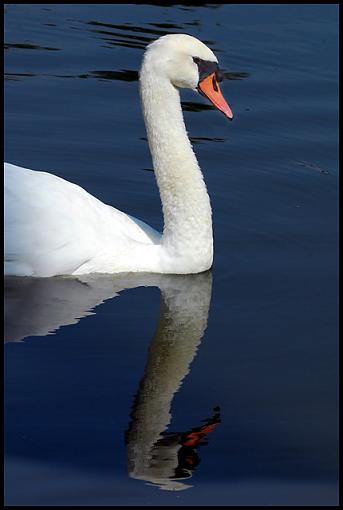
40	223
141	231
53	226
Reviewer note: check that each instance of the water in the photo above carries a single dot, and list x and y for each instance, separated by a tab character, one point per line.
108	388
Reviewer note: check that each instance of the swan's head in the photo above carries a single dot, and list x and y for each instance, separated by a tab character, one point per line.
187	63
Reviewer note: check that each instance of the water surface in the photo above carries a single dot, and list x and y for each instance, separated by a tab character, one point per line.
218	388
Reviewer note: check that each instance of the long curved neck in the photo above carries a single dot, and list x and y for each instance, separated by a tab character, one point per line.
185	202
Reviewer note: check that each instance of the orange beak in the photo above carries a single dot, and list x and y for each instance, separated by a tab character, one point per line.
209	87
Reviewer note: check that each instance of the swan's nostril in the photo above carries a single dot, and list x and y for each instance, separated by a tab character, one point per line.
209	87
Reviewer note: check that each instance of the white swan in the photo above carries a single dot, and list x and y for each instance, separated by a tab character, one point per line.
54	227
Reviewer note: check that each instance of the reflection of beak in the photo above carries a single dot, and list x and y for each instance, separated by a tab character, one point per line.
209	88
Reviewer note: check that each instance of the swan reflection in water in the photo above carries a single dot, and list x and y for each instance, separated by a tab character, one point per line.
39	306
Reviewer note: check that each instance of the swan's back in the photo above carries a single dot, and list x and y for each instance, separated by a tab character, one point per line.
55	227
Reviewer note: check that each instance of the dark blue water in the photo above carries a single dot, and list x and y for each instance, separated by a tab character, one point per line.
221	385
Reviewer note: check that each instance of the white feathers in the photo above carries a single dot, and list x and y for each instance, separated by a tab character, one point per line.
55	227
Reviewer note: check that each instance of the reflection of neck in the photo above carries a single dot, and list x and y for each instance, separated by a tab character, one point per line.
183	319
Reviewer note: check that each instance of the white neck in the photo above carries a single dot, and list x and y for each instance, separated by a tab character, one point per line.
187	233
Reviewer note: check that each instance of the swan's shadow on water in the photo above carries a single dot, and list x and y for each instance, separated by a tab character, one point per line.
40	306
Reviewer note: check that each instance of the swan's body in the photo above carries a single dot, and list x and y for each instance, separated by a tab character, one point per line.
54	227
65	230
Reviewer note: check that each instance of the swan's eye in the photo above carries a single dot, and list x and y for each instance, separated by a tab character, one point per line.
206	67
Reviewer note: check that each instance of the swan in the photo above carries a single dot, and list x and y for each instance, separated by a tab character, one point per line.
54	227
